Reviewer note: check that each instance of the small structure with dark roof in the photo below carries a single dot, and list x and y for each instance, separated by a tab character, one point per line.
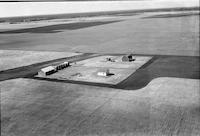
128	58
110	59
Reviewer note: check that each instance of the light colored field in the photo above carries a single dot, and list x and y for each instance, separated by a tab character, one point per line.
24	25
166	106
165	36
86	70
101	62
88	6
14	58
34	24
89	74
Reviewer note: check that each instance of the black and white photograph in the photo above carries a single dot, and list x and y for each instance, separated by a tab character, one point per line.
100	67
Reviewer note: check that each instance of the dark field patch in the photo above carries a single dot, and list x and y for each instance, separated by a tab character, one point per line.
126	14
163	66
172	15
14	20
31	70
158	66
59	27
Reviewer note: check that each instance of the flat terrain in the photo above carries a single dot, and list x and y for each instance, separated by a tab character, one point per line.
161	98
86	70
166	106
101	61
131	76
163	35
89	74
12	59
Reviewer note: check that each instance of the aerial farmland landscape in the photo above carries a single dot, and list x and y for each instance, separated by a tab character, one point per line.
118	68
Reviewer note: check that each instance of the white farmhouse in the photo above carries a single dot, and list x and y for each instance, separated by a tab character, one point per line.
103	72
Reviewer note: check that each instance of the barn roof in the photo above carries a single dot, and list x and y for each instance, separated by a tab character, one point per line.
49	68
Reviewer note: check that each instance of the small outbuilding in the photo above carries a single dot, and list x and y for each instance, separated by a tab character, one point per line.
47	71
128	58
62	65
103	72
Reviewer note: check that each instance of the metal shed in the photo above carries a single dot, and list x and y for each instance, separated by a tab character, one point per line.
47	71
62	65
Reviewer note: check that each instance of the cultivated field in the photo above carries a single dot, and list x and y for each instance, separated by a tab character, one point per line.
162	35
163	97
10	59
166	106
